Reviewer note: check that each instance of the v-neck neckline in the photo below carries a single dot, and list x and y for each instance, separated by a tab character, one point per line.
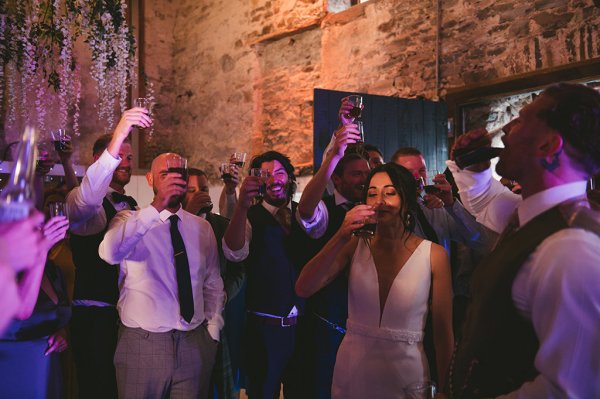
382	310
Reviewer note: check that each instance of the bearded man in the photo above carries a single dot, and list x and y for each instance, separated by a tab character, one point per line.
264	234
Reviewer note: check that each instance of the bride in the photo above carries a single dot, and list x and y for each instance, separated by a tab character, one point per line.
396	278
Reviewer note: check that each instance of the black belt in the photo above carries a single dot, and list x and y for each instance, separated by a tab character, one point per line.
331	324
275	320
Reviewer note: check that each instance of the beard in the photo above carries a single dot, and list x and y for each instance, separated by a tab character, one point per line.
122	176
278	199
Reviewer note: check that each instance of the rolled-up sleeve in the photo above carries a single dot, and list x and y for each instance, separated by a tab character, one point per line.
126	229
484	197
317	225
242	253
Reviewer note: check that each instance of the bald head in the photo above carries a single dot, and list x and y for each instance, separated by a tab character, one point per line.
158	177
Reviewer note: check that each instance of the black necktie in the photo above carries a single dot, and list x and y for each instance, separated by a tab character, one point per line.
182	269
118	197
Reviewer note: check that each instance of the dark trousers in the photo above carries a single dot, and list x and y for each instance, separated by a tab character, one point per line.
272	360
327	343
94	339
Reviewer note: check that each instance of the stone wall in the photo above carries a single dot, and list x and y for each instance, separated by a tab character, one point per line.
244	70
231	75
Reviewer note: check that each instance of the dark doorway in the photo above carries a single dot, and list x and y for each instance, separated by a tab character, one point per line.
389	123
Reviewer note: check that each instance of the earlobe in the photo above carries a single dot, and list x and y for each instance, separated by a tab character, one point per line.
552	146
150	179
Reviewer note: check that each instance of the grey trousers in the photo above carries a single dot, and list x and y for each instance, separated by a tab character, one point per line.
175	364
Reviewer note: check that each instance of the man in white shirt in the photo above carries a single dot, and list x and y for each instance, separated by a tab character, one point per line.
90	207
532	327
171	293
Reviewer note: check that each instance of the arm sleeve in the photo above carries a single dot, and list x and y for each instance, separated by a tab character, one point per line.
484	197
242	253
126	229
565	310
212	290
463	226
317	225
84	203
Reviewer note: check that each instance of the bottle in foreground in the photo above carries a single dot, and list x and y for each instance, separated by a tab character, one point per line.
17	198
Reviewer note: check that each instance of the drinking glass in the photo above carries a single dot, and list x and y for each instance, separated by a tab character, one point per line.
144	103
368	229
361	131
178	164
420	390
57	209
226	171
357	102
60	139
239	159
429	185
263	174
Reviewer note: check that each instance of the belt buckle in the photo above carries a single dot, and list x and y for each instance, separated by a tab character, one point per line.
283	323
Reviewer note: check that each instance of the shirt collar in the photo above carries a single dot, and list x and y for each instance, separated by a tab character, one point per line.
273	209
166	214
339	198
544	200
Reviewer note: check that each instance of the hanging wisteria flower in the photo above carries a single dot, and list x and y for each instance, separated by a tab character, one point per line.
37	41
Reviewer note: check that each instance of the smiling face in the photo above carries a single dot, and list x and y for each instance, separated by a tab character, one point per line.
122	174
277	183
352	181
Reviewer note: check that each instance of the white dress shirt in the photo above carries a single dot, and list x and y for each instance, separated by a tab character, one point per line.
141	242
84	202
557	288
316	226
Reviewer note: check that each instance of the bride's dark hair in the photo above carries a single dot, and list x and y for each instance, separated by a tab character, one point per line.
406	187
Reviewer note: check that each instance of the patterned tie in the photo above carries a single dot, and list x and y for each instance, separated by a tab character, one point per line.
182	269
118	198
284	217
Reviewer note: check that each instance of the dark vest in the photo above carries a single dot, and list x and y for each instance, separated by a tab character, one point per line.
94	278
331	301
272	265
497	351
